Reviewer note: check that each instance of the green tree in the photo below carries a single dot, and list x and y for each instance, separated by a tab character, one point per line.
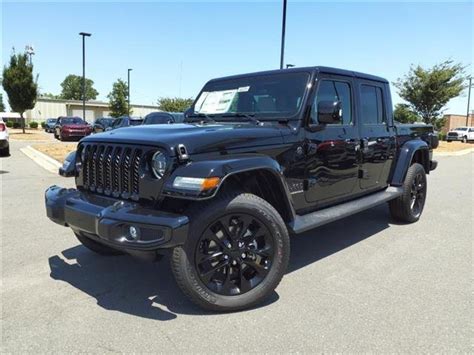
2	105
50	95
18	83
404	114
118	99
72	88
429	90
174	104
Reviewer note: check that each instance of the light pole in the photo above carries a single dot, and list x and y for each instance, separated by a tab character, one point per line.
283	27
84	35
30	52
128	87
468	101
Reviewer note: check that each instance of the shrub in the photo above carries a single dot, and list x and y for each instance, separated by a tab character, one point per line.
43	124
16	125
33	124
9	124
441	136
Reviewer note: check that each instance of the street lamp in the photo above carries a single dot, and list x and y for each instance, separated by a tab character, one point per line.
128	87
468	101
283	27
30	51
84	35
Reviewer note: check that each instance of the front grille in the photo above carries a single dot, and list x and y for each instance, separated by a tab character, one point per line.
452	134
111	170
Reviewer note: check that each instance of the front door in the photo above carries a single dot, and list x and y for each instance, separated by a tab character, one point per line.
331	150
377	141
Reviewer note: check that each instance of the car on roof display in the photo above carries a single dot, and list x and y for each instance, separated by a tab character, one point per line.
261	156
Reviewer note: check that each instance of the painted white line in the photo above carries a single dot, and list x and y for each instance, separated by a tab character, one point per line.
41	159
460	152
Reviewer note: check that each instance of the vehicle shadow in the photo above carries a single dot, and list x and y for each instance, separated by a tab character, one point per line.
148	290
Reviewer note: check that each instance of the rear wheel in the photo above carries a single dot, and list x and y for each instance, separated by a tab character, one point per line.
409	206
96	247
236	253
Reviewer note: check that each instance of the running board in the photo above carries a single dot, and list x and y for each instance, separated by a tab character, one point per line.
315	219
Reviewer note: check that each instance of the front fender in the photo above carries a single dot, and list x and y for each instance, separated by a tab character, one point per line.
405	157
222	167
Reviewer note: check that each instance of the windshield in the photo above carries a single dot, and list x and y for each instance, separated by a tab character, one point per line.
275	95
461	129
158	118
136	122
72	120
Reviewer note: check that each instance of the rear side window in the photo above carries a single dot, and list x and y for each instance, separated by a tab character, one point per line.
330	90
372	105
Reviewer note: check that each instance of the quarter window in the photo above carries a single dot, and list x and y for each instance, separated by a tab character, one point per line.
330	90
372	105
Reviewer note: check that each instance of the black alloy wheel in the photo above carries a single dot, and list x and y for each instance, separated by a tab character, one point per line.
234	254
418	194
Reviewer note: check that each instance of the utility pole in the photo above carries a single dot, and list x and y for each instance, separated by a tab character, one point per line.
84	35
283	28
468	101
128	87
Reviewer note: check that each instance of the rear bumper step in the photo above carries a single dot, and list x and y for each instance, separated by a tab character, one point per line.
318	218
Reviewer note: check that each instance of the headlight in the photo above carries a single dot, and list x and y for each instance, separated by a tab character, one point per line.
159	163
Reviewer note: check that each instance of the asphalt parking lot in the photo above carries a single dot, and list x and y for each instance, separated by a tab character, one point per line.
363	284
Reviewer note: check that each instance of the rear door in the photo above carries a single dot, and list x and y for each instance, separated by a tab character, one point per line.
377	138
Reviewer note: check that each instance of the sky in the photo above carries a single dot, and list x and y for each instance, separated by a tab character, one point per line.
175	47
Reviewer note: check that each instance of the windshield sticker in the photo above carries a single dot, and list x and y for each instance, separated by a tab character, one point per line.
217	101
243	89
200	101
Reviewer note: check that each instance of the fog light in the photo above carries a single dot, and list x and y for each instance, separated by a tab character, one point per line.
133	232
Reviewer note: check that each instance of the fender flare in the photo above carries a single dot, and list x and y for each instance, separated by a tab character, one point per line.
405	156
224	167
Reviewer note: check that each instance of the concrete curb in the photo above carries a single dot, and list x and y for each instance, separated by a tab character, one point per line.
41	159
448	154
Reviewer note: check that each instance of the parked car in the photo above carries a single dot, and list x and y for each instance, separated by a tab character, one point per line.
71	127
101	124
463	134
49	125
262	157
125	121
4	140
163	118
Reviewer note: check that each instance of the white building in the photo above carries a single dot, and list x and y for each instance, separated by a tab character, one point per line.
52	108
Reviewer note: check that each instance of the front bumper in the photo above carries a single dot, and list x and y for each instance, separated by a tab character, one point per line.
71	134
108	221
454	138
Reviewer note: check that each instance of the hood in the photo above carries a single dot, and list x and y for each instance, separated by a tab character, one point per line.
75	125
197	138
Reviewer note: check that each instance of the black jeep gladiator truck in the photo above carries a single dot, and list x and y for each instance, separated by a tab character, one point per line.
259	157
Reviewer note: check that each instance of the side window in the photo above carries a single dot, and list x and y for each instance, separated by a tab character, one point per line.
372	105
330	90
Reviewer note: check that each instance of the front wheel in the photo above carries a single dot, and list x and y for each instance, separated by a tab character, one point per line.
236	253
409	206
464	139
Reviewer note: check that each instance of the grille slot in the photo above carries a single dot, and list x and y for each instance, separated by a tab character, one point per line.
112	170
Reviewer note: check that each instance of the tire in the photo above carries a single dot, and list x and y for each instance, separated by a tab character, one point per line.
96	247
448	140
464	139
60	136
244	278
409	206
55	134
5	152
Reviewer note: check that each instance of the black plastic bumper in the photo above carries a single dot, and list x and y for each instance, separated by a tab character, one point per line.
433	165
108	221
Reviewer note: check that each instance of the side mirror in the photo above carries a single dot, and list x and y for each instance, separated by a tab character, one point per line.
329	112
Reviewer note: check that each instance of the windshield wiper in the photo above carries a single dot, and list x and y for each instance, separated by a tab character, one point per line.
200	117
248	116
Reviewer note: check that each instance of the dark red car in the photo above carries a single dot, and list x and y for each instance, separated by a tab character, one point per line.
71	127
